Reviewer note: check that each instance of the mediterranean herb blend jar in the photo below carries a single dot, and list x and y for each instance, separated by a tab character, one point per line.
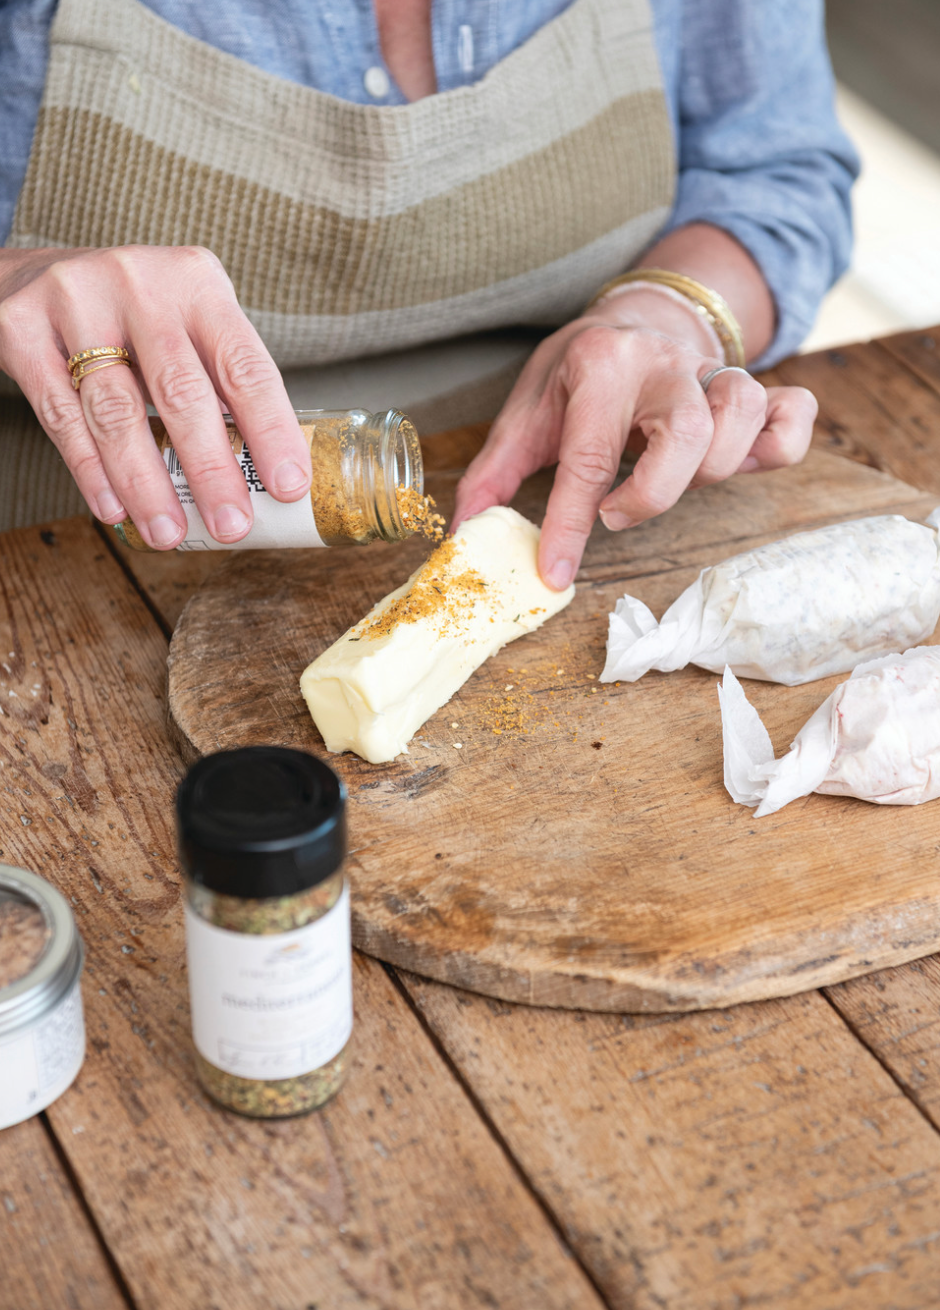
368	483
262	838
42	1028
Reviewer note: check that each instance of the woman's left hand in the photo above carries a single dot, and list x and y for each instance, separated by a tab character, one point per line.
633	362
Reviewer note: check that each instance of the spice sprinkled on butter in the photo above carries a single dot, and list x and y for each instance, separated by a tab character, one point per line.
374	687
442	588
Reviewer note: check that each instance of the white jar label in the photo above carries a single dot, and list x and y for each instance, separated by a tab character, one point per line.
37	1066
272	1006
275	524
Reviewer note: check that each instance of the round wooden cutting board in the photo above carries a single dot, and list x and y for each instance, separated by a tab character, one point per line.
554	840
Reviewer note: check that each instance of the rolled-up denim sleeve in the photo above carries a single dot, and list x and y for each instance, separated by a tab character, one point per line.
761	153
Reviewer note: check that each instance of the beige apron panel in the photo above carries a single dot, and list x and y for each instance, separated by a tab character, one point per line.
349	229
118	59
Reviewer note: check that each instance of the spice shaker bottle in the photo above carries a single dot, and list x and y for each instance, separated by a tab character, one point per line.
42	1027
262	839
368	478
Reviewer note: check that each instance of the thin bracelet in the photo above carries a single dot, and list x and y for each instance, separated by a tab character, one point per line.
684	303
711	306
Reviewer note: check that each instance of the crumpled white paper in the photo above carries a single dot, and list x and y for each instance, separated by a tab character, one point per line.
877	737
808	606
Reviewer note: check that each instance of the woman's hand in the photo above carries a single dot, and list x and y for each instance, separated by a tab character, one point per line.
633	362
194	353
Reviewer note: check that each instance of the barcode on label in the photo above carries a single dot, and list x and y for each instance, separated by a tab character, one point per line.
173	464
250	472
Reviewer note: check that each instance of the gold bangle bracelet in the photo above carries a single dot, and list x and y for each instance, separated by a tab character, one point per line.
711	306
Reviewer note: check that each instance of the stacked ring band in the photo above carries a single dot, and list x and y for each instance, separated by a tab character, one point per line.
95	358
708	378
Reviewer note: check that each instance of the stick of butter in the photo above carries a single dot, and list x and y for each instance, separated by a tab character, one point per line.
372	689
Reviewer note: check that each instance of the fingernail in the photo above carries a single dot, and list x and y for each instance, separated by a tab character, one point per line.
231	522
290	477
109	507
164	531
749	464
559	574
614	520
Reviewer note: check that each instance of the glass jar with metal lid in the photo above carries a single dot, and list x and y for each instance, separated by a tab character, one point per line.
368	485
42	1029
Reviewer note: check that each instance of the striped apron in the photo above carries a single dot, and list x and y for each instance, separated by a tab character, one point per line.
353	229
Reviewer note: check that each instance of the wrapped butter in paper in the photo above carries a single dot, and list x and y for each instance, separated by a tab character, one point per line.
877	737
799	609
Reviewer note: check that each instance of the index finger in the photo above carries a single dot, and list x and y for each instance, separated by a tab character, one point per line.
249	382
518	444
592	441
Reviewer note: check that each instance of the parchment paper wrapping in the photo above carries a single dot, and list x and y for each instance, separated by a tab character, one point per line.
808	606
877	737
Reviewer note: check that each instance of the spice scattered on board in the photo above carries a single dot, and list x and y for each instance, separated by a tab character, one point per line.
538	697
23	937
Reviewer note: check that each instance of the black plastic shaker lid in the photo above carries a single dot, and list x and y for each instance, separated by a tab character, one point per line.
261	821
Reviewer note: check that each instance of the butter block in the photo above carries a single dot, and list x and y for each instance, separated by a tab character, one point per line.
372	689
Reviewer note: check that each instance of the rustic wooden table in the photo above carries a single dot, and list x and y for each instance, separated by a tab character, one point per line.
784	1153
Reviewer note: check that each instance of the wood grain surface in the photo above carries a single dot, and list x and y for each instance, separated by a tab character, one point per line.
757	1156
781	1154
50	1254
396	1195
871	410
558	841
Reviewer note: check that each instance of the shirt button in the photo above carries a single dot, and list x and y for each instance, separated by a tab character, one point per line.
376	83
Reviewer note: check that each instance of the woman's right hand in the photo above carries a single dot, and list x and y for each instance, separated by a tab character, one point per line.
194	354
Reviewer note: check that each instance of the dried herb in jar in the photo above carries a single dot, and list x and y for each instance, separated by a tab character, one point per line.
262	840
368	485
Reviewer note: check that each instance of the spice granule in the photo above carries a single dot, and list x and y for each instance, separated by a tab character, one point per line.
420	513
438	590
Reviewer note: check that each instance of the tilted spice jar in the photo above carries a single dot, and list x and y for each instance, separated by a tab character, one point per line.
262	839
42	1028
367	476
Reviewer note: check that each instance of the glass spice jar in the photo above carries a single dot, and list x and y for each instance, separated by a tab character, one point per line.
42	1027
262	838
368	484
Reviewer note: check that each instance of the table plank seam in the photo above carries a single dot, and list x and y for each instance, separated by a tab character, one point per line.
65	1164
107	536
902	1087
501	1142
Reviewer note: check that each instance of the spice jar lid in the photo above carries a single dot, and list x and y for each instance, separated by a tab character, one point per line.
37	990
261	821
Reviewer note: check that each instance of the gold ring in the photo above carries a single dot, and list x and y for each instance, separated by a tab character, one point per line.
95	366
98	352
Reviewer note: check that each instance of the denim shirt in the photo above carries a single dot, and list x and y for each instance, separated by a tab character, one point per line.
747	83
